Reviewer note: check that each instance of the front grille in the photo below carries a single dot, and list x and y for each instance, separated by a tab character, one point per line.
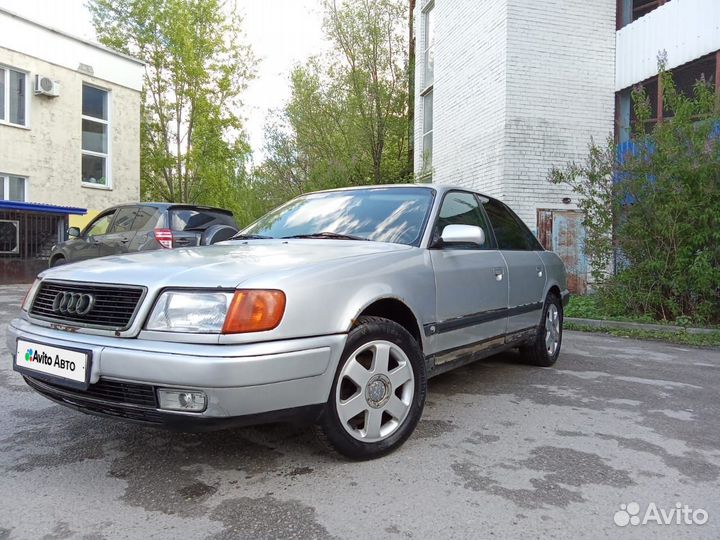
123	400
142	395
114	307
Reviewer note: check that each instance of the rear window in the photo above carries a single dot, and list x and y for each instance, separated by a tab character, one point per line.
189	219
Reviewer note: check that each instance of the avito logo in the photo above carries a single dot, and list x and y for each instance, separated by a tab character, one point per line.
48	360
629	514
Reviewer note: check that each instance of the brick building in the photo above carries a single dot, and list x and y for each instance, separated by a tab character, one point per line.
506	89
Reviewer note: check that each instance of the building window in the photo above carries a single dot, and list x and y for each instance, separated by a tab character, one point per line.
95	137
429	46
428	58
427	140
631	10
685	78
13	96
13	188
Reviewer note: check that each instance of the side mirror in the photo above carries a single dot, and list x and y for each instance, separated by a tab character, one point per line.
73	232
463	234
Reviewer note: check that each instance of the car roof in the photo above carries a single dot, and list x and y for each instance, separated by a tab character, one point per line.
440	188
167	206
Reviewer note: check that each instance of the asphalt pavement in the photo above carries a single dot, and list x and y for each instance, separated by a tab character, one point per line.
504	450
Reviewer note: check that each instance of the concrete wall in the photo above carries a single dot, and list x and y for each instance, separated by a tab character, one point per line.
48	150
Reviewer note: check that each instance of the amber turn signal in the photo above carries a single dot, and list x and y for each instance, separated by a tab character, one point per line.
254	310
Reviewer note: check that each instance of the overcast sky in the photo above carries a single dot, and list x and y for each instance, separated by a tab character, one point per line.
281	32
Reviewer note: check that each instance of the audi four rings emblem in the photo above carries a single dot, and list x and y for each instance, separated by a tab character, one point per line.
73	303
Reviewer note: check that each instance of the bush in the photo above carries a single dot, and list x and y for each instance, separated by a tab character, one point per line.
656	210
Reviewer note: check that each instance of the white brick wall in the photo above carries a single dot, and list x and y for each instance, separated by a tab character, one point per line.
560	93
469	93
520	86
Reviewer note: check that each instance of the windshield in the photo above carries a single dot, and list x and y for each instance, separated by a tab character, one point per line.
394	215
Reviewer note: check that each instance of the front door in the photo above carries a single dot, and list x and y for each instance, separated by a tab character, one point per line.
90	244
471	281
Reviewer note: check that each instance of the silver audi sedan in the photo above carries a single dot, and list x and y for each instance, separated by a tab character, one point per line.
335	308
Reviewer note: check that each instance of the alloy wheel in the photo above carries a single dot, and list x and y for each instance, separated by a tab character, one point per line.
375	391
552	329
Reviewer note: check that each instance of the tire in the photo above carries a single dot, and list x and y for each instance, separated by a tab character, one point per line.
387	402
217	233
544	351
57	261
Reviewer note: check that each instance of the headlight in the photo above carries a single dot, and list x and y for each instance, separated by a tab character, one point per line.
30	295
217	312
197	312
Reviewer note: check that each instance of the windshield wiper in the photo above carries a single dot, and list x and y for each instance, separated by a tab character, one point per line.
250	237
328	235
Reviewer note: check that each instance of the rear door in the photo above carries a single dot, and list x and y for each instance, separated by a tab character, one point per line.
147	218
121	232
471	280
526	272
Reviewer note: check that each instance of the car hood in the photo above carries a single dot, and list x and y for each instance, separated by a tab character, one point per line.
222	265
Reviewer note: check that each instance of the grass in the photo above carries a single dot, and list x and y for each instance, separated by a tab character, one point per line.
682	338
588	307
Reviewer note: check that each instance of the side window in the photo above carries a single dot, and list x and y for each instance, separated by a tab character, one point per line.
510	232
100	225
124	220
462	208
144	219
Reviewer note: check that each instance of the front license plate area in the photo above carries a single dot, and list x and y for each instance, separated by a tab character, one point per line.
65	366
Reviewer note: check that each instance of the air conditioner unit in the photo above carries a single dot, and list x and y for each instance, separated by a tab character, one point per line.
9	236
45	86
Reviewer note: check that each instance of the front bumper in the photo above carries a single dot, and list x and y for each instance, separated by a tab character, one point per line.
245	383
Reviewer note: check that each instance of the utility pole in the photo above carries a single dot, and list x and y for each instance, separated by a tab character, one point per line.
411	87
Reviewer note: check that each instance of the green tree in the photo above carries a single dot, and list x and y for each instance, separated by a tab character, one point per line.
196	66
661	202
347	119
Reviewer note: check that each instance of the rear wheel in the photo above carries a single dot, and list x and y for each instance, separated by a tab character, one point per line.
379	391
545	350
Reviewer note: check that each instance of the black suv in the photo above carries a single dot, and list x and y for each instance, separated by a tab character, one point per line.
144	226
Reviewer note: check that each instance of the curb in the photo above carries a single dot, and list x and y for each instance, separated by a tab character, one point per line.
667	328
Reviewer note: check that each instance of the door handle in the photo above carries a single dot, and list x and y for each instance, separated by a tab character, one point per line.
539	270
124	240
498	274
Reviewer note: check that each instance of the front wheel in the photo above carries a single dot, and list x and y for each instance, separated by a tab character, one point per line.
545	350
379	391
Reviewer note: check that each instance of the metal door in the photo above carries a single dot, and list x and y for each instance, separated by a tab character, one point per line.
562	231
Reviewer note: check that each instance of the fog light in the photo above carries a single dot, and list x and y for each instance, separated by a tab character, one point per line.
182	400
